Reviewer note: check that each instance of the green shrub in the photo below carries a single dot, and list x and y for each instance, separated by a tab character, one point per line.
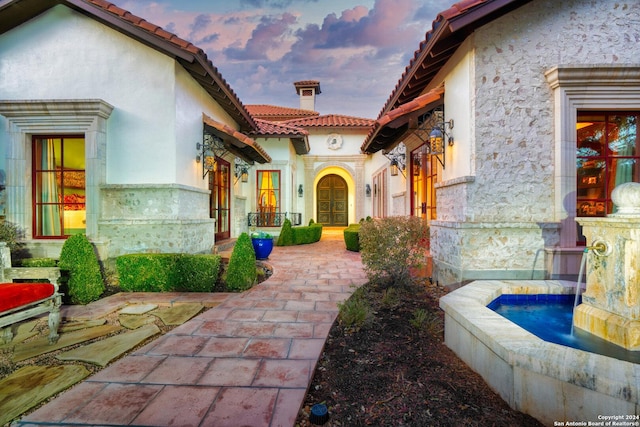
300	235
307	234
356	311
392	246
241	273
196	273
351	238
39	262
286	234
145	272
10	234
168	272
79	261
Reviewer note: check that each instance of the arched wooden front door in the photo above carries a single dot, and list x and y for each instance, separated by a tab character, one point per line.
332	194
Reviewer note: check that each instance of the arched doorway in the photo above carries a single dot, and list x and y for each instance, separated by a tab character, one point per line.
332	194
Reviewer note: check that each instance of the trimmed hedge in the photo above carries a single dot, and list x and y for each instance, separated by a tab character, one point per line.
300	235
80	262
241	273
168	272
286	234
39	262
352	238
303	235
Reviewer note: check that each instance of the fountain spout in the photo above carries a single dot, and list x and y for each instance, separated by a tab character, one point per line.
599	248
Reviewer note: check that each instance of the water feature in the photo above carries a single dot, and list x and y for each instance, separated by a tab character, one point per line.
552	382
550	317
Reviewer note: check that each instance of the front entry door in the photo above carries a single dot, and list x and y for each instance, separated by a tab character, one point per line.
332	201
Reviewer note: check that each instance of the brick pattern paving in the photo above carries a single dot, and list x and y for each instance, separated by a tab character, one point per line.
246	362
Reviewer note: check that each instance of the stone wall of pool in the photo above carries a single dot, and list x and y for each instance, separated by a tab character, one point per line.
550	382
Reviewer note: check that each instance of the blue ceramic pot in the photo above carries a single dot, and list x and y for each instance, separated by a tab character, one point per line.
262	246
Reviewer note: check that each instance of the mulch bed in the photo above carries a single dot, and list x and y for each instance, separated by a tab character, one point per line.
396	371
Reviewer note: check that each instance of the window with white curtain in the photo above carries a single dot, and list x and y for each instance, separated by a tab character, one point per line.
59	199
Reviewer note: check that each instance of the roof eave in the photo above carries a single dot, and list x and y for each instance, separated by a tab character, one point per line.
194	60
449	30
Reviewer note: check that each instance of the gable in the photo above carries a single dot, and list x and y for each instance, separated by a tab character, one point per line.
16	12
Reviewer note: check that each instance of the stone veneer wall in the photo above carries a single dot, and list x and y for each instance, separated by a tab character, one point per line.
159	218
496	223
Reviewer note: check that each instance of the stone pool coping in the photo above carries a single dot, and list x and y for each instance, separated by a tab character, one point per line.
551	382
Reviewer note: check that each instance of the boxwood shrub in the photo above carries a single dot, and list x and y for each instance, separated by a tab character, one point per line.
39	262
351	237
241	273
168	272
300	235
286	234
81	270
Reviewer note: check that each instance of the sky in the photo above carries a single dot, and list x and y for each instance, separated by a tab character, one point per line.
356	49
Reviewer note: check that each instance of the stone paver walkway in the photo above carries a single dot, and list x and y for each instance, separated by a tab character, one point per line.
245	362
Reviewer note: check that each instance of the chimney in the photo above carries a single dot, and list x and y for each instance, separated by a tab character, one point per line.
308	89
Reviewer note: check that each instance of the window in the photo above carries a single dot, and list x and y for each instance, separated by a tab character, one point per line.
58	186
268	192
607	155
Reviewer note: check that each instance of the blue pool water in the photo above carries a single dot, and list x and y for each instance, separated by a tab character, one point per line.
549	317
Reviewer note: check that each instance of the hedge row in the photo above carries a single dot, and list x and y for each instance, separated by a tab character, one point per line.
168	272
351	237
299	235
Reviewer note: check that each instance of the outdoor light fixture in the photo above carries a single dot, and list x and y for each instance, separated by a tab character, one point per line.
300	191
242	170
437	136
367	190
397	159
211	147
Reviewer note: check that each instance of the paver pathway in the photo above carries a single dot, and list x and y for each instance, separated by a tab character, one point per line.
246	362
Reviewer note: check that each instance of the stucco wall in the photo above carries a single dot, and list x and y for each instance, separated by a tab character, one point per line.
149	139
505	206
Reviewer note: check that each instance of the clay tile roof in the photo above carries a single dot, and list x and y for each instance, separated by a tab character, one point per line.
391	126
192	58
276	113
299	137
236	142
307	84
268	128
331	120
450	28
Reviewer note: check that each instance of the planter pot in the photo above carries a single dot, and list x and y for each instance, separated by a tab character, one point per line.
262	247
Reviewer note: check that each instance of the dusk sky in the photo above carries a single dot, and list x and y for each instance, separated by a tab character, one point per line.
357	49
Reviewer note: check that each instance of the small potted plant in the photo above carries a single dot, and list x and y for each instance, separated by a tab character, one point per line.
262	244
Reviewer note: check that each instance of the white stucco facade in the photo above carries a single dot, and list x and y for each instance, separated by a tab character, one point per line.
145	190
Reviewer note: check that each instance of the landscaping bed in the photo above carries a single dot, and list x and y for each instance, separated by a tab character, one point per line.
396	371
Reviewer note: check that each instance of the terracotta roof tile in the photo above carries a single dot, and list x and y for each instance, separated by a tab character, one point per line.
277	113
400	116
268	128
331	120
239	142
307	83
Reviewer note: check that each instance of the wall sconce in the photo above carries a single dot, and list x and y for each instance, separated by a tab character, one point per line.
437	137
211	147
300	191
397	159
241	170
367	190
